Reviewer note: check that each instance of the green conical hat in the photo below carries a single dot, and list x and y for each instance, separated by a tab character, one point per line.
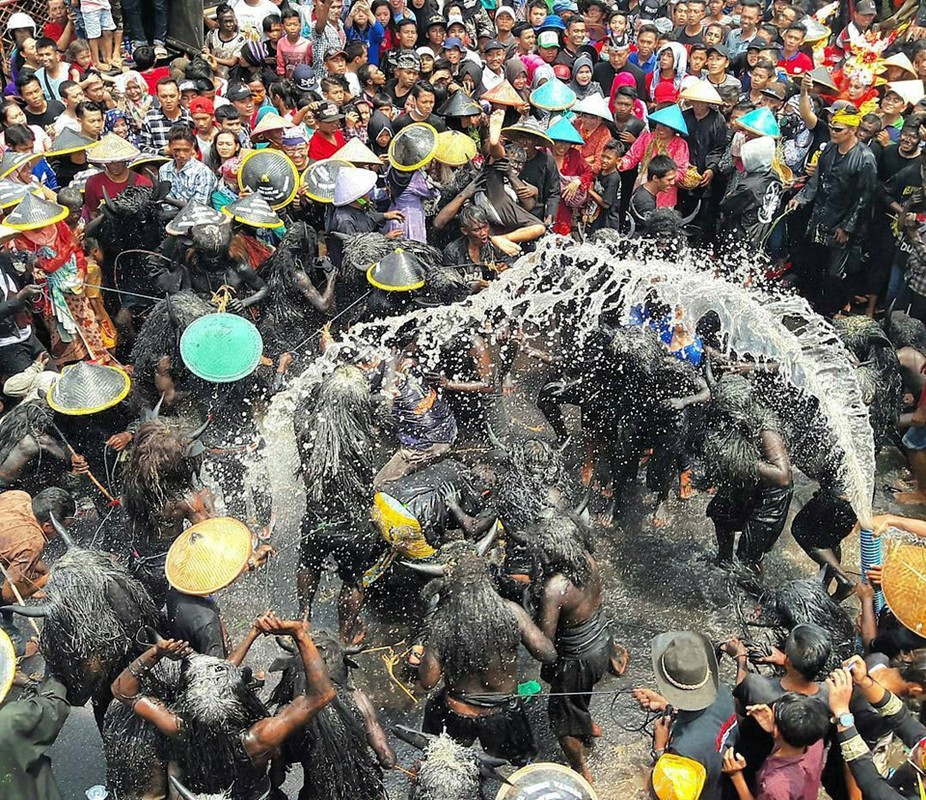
221	348
554	95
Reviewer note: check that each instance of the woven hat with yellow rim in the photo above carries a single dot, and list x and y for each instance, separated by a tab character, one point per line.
12	162
413	147
678	778
70	141
357	153
33	212
320	178
903	581
208	556
11	192
544	779
454	148
253	210
7	664
86	388
112	149
271	173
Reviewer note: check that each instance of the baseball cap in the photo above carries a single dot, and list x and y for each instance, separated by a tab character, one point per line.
187	86
425	52
547	39
720	49
238	91
774	89
334	52
405	21
452	42
758	43
201	105
327	112
493	44
436	19
505	10
865	7
408	60
304	78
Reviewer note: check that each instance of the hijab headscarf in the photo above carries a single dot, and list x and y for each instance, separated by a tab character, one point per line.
113	116
626	79
542	74
680	59
378	123
593	86
475	72
513	68
134	110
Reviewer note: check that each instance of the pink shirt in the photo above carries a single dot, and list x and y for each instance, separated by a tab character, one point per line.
643	149
791	778
291	55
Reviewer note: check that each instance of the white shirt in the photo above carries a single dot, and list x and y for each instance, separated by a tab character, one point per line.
65	120
251	18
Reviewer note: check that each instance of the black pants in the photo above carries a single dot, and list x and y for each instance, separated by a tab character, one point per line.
760	515
14	358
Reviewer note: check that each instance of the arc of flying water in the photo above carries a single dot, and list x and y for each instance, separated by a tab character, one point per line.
567	283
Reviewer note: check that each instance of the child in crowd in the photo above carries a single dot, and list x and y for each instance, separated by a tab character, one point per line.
606	191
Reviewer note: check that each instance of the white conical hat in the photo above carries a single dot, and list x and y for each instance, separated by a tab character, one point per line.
356	152
911	91
701	92
351	184
271	121
595	105
900	60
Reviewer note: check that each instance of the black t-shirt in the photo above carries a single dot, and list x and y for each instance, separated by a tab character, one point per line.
404	120
197	621
642	204
683	38
53	110
609	187
398	100
603	74
891	162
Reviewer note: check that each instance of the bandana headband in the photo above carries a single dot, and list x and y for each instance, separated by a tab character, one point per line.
848	117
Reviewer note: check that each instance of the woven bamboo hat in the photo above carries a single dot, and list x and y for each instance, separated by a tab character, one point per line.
413	147
12	192
269	122
503	94
903	581
86	388
454	148
701	92
11	161
70	141
192	215
208	556
34	212
112	149
253	210
357	153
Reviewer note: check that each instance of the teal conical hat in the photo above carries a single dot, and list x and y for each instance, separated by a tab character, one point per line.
671	117
221	348
564	131
554	95
760	121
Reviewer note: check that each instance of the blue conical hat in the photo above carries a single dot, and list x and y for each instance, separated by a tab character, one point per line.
564	131
671	117
760	121
554	95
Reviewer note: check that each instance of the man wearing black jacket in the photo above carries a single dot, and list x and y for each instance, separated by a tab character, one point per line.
19	346
707	142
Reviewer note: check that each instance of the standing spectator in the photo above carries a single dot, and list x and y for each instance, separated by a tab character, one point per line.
60	25
39	110
718	62
145	60
99	24
328	138
223	44
134	100
293	49
202	113
793	61
362	25
738	40
189	178
664	139
841	190
645	55
53	71
250	15
862	18
159	121
327	35
618	61
71	95
693	32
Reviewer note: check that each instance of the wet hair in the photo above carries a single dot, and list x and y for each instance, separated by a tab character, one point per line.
381	100
472	215
422	87
914	670
801	721
520	28
363	74
53	501
808	648
197	69
563	548
87	107
354	49
18	135
144	58
660	166
181	132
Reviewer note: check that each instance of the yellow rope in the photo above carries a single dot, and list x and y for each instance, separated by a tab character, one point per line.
391	660
222	296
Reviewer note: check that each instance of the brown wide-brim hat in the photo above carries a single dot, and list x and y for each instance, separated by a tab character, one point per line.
685	666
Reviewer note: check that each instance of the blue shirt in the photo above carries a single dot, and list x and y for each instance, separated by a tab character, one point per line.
194	181
647	66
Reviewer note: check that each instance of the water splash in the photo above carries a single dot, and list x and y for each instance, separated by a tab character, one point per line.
569	284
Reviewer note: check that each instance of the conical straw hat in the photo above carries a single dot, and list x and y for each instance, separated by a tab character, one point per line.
594	105
413	147
903	580
86	388
70	141
911	91
821	76
34	212
112	148
208	556
320	178
454	148
191	216
148	158
547	780
554	95
351	184
253	210
460	104
271	173
503	94
269	122
12	192
397	272
900	60
356	152
671	117
760	121
701	92
564	131
11	161
529	127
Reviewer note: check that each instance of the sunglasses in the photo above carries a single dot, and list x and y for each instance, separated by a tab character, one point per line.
837	129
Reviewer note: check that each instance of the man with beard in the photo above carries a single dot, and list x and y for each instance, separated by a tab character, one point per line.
568	594
753	473
224	735
473	643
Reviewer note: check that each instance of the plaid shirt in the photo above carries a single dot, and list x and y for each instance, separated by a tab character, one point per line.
154	129
195	181
916	261
331	39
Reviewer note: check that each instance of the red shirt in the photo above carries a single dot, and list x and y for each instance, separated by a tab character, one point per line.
797	64
320	147
53	30
93	193
153	76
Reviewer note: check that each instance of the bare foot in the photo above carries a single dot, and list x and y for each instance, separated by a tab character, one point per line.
586	774
910	498
495	124
596	730
32	648
414	656
619	658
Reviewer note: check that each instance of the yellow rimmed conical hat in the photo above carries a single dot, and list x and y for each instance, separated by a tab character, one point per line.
11	162
454	148
208	556
903	581
399	527
70	141
413	147
112	149
7	664
545	779
86	388
33	212
357	153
